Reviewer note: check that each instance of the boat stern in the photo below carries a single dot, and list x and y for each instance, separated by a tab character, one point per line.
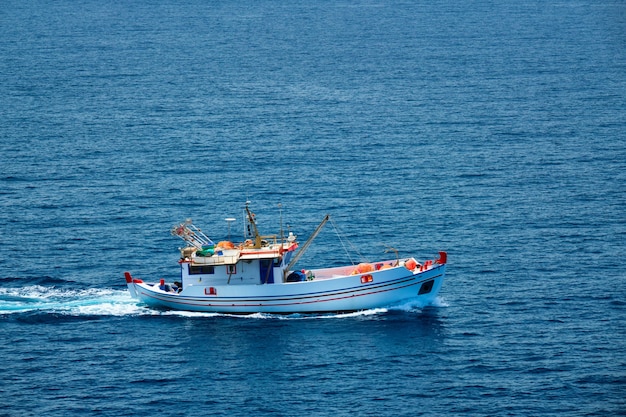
130	282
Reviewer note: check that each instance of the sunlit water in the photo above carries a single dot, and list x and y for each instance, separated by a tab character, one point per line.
494	131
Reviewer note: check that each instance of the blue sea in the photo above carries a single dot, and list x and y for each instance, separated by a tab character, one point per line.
495	131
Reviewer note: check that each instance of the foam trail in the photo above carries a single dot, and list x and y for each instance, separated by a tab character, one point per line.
440	302
416	306
270	316
190	314
371	312
67	301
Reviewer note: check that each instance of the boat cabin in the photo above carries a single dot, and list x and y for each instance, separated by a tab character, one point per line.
243	265
257	260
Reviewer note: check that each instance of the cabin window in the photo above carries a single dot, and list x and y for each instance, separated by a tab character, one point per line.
426	287
201	269
231	269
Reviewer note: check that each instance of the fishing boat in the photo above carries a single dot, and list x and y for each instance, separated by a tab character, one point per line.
258	275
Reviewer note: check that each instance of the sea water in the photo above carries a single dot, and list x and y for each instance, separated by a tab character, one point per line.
492	130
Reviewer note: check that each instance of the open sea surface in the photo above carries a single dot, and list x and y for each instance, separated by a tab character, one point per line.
495	131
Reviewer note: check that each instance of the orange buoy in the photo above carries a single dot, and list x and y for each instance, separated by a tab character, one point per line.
410	264
225	244
364	267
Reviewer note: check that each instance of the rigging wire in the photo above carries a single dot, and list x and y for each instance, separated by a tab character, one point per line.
339	234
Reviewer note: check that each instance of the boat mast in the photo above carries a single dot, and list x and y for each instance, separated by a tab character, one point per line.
257	236
297	256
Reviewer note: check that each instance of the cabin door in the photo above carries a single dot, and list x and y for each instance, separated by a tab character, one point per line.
267	271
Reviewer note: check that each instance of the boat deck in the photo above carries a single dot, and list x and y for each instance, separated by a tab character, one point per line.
362	268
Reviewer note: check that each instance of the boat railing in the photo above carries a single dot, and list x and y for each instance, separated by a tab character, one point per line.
230	257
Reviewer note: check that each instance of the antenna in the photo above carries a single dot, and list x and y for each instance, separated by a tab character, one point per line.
246	225
282	235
